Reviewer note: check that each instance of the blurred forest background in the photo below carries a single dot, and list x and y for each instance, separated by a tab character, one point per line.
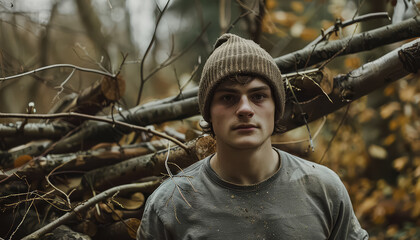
373	144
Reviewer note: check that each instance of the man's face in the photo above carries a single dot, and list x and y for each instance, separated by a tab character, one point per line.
242	116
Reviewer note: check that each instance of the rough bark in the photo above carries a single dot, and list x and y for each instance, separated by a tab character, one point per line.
102	155
140	116
358	83
148	165
307	57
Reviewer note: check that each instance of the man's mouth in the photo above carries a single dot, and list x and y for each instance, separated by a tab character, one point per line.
244	126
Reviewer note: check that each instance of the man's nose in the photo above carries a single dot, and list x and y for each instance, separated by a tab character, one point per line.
244	108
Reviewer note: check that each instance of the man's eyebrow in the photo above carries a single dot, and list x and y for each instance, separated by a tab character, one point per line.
261	88
233	90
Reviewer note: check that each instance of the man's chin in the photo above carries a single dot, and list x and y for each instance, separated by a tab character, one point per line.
246	144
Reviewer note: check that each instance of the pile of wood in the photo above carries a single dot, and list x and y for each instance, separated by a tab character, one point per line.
84	193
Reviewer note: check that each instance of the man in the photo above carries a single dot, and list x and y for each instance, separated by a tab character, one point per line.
248	189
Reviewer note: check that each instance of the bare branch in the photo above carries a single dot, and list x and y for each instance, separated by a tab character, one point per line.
82	69
142	80
327	33
360	42
89	117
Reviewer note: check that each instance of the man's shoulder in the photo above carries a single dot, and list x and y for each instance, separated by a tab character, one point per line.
182	180
298	167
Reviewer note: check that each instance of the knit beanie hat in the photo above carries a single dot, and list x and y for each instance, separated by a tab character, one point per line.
234	55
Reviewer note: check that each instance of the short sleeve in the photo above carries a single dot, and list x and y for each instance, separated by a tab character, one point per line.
151	226
346	225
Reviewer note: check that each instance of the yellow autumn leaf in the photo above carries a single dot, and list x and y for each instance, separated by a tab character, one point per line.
407	93
309	34
389	90
352	62
390	139
297	6
379	214
284	18
270	4
394	124
366	115
377	151
365	207
392	230
400	163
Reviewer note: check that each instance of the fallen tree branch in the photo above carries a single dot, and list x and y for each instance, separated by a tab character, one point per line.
147	165
81	161
360	42
360	82
34	130
100	119
155	114
327	33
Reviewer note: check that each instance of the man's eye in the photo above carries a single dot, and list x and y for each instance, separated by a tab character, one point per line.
259	97
227	98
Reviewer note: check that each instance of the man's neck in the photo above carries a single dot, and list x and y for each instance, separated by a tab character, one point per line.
245	166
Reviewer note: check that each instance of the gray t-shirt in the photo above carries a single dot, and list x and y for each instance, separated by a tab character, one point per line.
302	200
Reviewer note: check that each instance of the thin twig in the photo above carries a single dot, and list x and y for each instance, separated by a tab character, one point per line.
92	60
52	185
148	50
335	134
63	65
324	119
23	219
61	87
335	27
171	59
172	176
311	143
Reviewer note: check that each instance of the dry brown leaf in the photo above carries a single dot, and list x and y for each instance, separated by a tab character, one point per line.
133	223
134	202
113	88
388	109
21	160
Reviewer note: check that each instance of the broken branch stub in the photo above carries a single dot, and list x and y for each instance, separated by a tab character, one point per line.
95	98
